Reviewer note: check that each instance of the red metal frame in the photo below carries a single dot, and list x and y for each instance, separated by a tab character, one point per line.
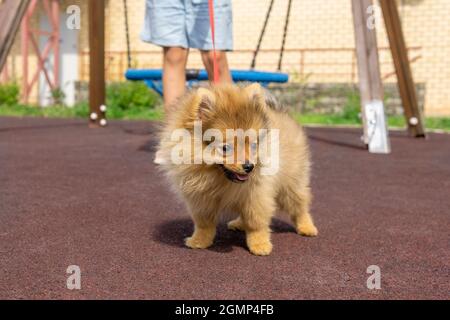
31	36
5	73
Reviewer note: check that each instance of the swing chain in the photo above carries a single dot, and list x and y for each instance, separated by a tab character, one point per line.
127	32
263	30
286	24
261	35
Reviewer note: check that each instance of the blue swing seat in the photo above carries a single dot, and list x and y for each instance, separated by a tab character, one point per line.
153	77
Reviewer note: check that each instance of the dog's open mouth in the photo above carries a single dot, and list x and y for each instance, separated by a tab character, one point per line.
234	176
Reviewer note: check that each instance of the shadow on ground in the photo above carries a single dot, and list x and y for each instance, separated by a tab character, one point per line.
173	233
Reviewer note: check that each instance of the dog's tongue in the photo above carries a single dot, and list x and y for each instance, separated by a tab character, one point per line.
241	177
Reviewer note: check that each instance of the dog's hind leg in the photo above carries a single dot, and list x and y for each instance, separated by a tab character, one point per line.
297	202
205	224
236	224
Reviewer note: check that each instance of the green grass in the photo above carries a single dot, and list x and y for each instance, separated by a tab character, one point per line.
350	116
125	100
433	123
337	119
133	101
324	119
156	113
80	111
438	123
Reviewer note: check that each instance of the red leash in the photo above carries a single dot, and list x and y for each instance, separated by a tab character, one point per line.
211	23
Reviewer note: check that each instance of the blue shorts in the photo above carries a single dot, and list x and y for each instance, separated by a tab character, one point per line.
185	23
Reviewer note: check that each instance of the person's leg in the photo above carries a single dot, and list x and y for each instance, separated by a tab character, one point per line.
174	81
174	75
222	65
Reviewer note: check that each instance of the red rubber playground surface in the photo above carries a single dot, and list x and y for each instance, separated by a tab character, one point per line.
70	195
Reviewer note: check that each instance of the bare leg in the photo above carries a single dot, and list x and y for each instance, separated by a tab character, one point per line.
174	75
222	63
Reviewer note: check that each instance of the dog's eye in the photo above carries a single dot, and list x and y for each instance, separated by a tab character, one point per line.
226	149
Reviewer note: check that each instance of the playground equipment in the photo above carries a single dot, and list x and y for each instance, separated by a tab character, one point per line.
375	132
152	77
371	88
11	13
15	13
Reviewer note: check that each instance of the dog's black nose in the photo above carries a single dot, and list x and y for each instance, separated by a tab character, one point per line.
248	167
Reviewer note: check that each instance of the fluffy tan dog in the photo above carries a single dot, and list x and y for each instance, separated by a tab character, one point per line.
226	175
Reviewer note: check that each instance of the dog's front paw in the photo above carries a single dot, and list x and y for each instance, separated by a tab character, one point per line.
196	242
261	249
307	230
259	243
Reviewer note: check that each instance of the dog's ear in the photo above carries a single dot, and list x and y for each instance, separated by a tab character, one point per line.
263	96
206	101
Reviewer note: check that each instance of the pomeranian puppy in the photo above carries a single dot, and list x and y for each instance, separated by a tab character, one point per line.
215	169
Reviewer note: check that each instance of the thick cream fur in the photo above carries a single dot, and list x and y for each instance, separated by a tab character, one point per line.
206	190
